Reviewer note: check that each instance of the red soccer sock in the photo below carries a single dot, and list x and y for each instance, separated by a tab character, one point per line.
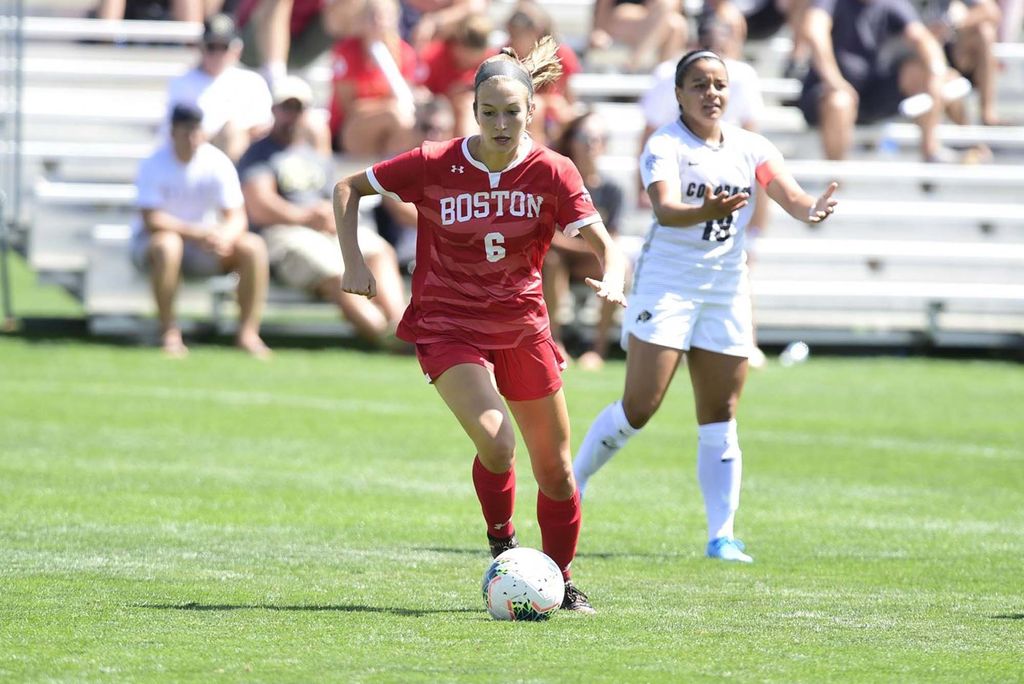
497	495
559	528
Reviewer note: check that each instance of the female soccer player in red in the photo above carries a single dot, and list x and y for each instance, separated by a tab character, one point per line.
487	208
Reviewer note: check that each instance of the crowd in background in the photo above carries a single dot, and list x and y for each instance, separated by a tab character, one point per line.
402	73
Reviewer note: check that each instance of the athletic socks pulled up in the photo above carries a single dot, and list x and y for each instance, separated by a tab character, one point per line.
719	471
609	432
497	495
559	528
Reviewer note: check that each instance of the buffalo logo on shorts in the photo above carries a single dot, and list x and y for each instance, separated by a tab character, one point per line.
644	317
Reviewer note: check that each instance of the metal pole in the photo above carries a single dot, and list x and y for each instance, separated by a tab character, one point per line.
5	280
19	88
8	323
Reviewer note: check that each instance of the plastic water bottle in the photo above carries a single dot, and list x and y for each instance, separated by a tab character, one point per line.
794	353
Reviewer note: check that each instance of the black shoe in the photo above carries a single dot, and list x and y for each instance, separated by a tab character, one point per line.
576	600
500	545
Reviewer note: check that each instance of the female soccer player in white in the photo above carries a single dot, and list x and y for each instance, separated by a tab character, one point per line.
487	208
690	291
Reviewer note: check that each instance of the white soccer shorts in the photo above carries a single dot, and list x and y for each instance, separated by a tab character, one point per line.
671	320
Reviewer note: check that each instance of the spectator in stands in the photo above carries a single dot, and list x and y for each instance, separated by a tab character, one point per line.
761	19
288	35
527	24
968	30
396	220
854	80
653	30
422	21
448	67
570	259
287	189
235	102
192	222
372	113
156	10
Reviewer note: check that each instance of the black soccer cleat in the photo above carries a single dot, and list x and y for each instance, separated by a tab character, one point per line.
500	545
576	600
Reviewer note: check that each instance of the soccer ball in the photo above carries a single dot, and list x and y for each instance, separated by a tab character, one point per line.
523	584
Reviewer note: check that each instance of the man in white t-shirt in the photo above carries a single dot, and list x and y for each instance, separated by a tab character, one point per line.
235	102
192	222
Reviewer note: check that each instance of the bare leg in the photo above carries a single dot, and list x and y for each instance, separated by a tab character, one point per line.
373	130
544	424
249	260
165	253
717	384
273	35
469	391
110	9
187	10
649	372
913	80
973	53
838	113
366	318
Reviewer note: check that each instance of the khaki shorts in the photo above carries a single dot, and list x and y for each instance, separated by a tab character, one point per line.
303	258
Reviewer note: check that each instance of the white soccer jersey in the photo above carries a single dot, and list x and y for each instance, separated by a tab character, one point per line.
706	261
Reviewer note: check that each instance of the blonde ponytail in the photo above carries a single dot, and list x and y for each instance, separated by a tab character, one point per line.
540	67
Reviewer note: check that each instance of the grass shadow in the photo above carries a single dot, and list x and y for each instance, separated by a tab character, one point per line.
341	608
1008	616
603	555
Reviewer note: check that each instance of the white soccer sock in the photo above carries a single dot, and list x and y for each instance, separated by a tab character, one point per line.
719	470
609	432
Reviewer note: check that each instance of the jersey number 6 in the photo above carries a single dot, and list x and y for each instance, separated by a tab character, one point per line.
493	247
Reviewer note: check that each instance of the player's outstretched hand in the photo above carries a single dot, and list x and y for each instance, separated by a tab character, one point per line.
723	204
360	281
825	206
608	291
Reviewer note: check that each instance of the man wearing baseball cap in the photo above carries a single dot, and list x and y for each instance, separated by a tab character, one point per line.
287	186
192	222
235	102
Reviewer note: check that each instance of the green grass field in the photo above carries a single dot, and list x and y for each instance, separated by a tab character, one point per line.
313	519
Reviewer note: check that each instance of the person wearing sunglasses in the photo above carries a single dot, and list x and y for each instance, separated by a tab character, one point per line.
235	101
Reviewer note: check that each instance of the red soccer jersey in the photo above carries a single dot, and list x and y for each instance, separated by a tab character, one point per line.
481	239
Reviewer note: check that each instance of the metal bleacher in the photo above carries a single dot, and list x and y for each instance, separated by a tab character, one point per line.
918	254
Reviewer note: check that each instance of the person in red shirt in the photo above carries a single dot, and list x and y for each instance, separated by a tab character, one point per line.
372	115
527	24
449	66
488	206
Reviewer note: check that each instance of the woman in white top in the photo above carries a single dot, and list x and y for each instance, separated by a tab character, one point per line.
690	290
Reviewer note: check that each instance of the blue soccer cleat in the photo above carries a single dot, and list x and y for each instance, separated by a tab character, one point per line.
728	549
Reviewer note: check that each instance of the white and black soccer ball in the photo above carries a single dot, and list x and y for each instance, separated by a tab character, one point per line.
523	584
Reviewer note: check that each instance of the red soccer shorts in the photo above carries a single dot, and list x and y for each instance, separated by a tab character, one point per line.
531	371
